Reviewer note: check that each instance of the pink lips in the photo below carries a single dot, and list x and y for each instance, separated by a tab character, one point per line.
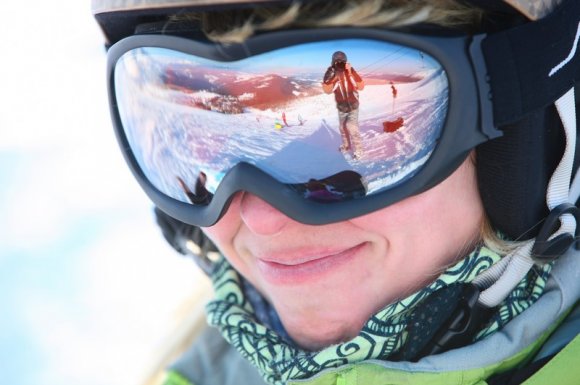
284	269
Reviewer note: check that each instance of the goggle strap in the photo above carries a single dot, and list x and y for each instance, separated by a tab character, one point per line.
502	278
533	65
575	188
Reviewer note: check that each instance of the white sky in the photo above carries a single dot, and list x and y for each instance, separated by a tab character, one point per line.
88	287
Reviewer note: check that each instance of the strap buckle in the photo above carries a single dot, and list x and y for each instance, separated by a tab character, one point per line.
546	250
445	332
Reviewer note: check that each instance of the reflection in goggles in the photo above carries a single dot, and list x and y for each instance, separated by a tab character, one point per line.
342	186
359	126
201	196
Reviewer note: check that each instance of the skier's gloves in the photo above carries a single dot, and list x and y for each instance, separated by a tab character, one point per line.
329	75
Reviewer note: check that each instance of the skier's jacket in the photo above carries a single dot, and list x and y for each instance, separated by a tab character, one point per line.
539	346
345	84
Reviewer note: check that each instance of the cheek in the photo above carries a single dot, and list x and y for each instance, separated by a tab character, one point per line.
225	234
406	220
442	222
224	231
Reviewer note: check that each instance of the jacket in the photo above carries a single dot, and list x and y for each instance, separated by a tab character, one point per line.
345	84
546	332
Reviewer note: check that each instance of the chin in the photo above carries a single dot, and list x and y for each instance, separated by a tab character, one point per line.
315	332
316	340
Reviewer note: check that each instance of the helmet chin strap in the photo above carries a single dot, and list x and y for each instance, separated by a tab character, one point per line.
535	9
575	188
499	281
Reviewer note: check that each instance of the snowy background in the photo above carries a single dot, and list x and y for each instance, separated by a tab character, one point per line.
88	288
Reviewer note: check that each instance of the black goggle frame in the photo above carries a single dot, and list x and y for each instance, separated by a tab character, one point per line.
469	122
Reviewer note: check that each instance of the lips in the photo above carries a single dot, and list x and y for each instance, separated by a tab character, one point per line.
301	266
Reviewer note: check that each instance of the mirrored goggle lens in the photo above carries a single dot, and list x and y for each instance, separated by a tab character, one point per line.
330	132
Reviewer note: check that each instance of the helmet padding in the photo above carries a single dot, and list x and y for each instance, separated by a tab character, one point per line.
513	172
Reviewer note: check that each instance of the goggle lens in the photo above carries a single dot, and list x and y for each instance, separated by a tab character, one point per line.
190	120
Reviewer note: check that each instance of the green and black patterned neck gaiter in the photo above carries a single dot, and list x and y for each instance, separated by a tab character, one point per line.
382	335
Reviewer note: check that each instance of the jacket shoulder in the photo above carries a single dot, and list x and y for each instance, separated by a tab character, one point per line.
211	360
562	369
554	363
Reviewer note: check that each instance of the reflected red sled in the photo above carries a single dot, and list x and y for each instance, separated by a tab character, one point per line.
393	125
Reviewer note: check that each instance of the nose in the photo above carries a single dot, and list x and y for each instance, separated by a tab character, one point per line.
260	217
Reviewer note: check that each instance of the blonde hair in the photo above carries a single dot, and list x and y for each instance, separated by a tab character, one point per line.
236	26
494	241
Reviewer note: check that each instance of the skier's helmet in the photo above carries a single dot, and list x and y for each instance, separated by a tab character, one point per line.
519	137
339	57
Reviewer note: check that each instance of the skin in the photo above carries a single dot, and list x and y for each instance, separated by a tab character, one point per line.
326	281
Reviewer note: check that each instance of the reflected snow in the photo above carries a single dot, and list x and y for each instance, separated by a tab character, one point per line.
182	119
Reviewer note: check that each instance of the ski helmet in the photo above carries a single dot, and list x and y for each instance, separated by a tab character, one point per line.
514	171
338	56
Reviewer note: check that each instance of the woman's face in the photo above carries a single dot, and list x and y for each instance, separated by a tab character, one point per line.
326	281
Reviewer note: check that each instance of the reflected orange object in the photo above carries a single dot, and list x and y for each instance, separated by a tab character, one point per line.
393	125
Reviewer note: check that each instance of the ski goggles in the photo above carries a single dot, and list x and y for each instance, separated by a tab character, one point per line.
278	118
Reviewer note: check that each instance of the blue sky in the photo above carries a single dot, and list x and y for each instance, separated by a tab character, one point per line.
364	55
88	287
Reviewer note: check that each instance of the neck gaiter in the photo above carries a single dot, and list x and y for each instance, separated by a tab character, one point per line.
279	360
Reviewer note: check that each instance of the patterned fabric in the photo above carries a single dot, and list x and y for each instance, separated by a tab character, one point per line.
382	335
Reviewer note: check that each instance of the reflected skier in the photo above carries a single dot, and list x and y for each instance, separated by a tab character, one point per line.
345	82
394	91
